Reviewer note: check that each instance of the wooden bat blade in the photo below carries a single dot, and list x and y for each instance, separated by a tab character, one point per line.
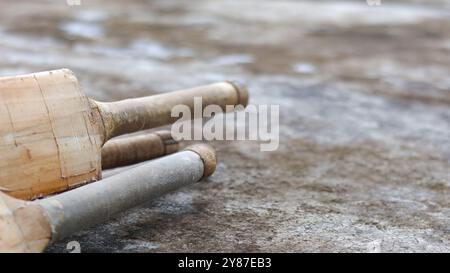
49	137
24	226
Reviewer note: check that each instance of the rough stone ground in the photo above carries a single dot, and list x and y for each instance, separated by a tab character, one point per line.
364	93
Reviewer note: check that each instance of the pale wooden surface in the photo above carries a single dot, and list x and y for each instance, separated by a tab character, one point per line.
23	226
49	140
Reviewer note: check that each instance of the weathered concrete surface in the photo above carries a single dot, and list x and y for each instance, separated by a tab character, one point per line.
364	159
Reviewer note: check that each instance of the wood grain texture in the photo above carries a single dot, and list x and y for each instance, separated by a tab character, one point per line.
131	115
49	136
24	226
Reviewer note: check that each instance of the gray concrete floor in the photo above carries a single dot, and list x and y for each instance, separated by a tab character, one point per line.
364	95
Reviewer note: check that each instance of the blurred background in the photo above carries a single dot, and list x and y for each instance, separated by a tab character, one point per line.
364	95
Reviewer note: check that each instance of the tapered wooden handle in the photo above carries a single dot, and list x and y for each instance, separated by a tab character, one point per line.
132	115
73	210
134	149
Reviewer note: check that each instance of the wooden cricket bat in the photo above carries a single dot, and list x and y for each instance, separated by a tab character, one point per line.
30	226
51	134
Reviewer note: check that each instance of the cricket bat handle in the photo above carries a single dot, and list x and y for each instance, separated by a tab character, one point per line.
134	149
95	203
131	115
